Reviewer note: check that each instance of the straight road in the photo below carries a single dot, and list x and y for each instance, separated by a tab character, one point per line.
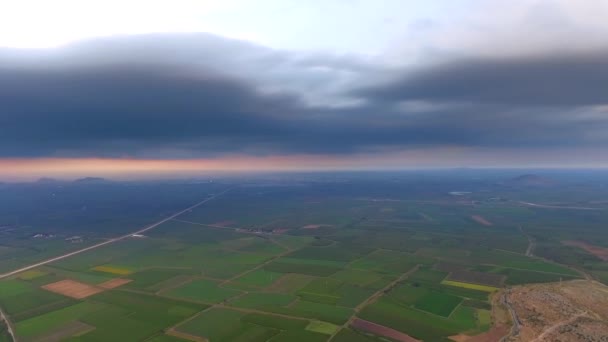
116	239
557	206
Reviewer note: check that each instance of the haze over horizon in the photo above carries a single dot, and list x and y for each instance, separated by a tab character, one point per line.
114	88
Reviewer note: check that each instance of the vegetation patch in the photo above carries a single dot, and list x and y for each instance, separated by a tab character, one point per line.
437	303
113	269
490	279
202	290
322	327
477	287
290	283
276	322
32	274
226	325
44	323
261	300
308	269
259	278
147	278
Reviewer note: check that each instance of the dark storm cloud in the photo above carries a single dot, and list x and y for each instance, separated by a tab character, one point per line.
182	96
570	79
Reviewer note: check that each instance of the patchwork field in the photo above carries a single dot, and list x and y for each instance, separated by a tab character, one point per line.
313	262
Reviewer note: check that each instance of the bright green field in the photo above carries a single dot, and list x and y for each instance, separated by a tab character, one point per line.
39	325
484	288
203	290
322	327
438	303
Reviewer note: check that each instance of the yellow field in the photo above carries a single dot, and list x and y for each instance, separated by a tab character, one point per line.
477	287
113	269
31	274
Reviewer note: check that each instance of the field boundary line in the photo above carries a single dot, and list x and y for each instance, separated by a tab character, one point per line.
174	286
373	298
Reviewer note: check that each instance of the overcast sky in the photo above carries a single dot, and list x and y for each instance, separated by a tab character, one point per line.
402	83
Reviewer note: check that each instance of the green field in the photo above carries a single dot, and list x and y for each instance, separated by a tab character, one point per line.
263	300
277	260
202	290
438	303
322	327
258	278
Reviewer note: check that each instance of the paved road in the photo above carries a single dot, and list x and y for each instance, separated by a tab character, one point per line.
141	231
557	206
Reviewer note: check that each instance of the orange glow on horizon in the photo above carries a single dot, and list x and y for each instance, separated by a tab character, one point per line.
20	168
437	157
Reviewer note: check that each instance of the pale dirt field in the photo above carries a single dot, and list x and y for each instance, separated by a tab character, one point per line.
481	220
73	289
569	311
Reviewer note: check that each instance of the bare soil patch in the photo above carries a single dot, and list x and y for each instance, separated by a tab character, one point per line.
73	289
316	226
599	252
495	334
568	311
481	220
114	283
381	330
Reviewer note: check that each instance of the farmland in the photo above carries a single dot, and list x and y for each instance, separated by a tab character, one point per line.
305	261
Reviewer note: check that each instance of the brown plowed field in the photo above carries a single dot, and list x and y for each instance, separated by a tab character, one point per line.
73	289
381	330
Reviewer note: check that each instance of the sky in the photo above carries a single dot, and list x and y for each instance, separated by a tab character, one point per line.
115	88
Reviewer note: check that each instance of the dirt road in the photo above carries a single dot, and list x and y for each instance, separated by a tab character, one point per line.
9	325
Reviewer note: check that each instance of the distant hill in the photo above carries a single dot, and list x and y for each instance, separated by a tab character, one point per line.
531	180
91	180
46	180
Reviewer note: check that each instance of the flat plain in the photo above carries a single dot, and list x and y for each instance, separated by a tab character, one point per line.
353	259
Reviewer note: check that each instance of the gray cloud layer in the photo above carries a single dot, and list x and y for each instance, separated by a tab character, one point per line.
175	96
550	80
